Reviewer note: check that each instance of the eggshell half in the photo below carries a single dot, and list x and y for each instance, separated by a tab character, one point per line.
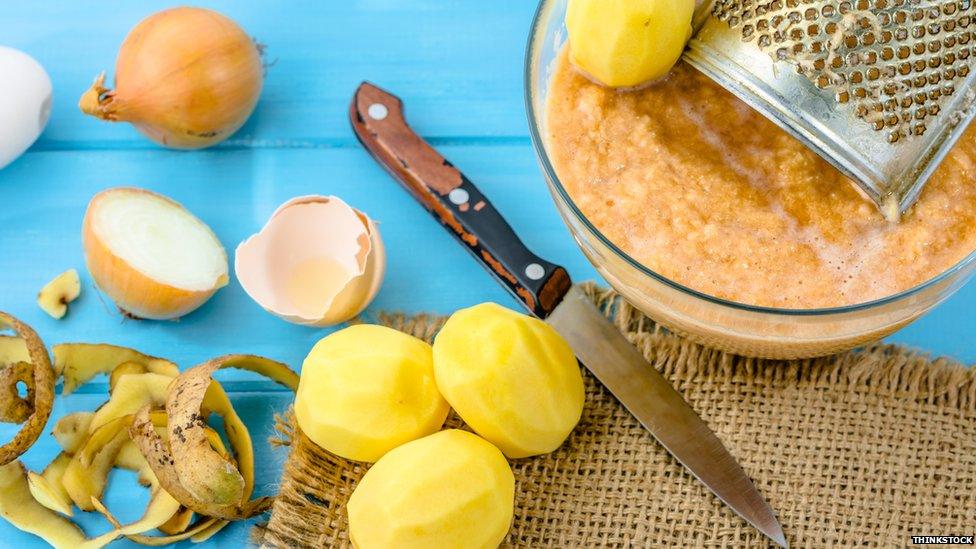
25	103
313	228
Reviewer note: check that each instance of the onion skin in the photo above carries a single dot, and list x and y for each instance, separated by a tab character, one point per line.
136	294
187	78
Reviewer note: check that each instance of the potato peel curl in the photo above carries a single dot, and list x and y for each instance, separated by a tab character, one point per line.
41	398
197	486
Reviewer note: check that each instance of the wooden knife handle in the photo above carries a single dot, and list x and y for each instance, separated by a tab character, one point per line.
378	120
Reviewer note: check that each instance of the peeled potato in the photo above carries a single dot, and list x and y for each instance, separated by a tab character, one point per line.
509	376
625	43
450	489
366	390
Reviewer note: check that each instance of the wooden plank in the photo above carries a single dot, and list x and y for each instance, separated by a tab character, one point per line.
458	64
235	192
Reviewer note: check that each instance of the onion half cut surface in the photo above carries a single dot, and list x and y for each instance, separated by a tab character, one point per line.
150	255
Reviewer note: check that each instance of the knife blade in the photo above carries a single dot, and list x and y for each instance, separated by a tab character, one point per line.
546	290
650	398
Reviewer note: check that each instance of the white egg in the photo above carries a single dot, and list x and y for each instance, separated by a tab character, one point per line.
25	103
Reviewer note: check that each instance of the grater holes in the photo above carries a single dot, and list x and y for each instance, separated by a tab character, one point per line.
891	60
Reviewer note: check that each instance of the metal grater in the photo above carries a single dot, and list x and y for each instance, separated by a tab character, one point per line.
880	88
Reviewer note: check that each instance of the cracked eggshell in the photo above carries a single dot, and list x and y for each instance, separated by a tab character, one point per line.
25	103
313	229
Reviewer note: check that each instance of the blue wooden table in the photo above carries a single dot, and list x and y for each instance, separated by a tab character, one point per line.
458	67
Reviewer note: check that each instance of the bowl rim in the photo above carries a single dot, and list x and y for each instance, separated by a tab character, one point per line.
538	144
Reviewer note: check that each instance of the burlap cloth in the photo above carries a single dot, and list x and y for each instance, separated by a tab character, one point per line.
865	448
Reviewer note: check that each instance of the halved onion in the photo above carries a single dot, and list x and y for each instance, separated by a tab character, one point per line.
150	255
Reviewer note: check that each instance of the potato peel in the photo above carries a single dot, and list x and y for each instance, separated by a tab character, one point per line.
13	349
178	523
182	460
206	475
19	507
71	431
48	488
87	474
42	399
122	370
151	445
161	507
13	407
131	393
77	363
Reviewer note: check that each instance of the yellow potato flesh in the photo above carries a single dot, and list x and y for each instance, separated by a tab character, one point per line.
130	394
509	376
77	363
450	489
179	522
121	370
626	43
87	474
47	487
366	390
71	431
19	507
13	349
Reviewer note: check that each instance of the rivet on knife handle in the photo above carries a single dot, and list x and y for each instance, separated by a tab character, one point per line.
378	120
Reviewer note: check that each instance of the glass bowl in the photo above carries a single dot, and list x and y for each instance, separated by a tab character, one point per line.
735	327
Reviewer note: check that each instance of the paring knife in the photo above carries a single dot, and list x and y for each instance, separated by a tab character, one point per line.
546	290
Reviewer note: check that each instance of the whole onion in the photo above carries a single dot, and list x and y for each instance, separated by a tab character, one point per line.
187	78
